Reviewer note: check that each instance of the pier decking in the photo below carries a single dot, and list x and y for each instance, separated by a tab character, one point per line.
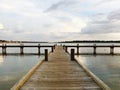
59	73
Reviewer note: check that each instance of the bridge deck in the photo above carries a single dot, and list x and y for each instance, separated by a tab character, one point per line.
59	73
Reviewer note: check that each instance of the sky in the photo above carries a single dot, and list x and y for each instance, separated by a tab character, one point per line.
59	20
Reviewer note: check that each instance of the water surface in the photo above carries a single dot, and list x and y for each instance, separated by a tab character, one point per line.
107	68
13	68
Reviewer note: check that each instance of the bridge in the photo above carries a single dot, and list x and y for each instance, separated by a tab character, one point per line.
94	46
59	71
22	48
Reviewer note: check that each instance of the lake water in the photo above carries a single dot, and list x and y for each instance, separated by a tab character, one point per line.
106	67
13	68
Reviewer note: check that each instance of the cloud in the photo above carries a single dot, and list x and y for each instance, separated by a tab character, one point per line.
59	19
110	24
114	15
102	28
69	5
21	7
59	36
108	5
55	6
1	26
104	2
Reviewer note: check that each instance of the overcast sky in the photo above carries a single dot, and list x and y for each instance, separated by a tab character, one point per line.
54	20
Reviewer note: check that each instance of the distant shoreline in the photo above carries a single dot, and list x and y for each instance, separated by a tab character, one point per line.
90	41
76	41
3	42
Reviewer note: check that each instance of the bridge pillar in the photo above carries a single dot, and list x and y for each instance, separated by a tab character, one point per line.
112	50
65	48
38	49
21	49
52	49
72	54
94	49
4	49
46	54
77	49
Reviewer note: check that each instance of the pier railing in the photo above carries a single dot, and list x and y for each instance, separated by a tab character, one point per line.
52	47
112	47
22	46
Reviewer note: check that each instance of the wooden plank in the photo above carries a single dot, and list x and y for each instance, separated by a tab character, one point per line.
60	73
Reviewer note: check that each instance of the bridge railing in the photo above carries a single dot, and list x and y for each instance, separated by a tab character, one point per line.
22	46
94	46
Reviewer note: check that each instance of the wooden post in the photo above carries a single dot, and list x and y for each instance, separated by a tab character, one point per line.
77	49
38	49
72	54
21	49
112	50
46	55
65	48
94	51
4	49
52	48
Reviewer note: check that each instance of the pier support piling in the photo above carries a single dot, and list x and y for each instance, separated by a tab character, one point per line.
21	49
46	54
38	49
72	54
65	48
112	50
4	49
77	49
94	49
52	49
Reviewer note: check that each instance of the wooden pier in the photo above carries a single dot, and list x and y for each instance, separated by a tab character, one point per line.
22	47
58	73
112	47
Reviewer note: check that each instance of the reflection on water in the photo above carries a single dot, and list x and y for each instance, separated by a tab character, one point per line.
12	68
106	68
1	59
